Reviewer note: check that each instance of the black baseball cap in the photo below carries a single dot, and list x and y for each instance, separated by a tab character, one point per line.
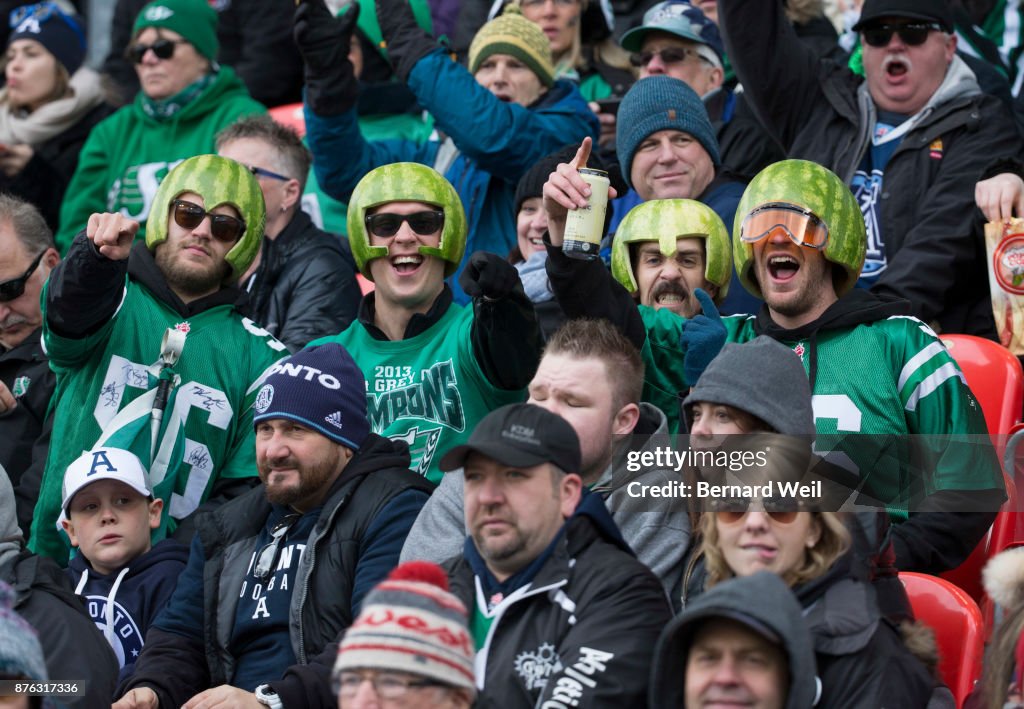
520	436
926	10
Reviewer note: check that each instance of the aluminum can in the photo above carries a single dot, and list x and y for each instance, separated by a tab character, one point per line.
584	227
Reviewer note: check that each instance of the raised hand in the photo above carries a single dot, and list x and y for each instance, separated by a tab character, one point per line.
566	190
112	233
702	338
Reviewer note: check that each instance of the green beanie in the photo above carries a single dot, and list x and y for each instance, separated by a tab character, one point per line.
194	20
513	34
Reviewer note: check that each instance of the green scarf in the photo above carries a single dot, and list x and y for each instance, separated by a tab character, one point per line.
164	109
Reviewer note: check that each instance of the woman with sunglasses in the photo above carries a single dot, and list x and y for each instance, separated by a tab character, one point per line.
186	98
48	107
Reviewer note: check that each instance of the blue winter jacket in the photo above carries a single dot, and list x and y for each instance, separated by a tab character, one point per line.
497	143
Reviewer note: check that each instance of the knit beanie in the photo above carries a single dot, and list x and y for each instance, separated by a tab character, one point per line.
321	388
411	623
661	103
60	33
782	397
20	651
513	34
194	20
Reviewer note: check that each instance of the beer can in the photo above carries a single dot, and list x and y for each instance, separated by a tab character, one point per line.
584	226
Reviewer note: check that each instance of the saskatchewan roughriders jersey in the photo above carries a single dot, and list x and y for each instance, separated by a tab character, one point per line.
890	404
427	390
106	387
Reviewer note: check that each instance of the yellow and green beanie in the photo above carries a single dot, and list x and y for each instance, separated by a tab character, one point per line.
513	34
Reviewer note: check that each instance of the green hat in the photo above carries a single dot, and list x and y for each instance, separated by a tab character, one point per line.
817	189
513	34
194	20
218	181
406	182
666	221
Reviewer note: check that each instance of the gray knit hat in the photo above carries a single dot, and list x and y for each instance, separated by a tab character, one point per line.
21	655
661	103
781	397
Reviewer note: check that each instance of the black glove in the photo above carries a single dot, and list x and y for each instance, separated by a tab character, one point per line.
323	41
406	41
489	275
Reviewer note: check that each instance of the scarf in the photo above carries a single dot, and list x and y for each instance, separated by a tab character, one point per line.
53	118
535	277
164	109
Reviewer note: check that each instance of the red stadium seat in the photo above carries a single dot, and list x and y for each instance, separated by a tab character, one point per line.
290	115
958	626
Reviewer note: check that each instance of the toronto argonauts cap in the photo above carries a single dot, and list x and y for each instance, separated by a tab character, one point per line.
104	464
521	436
320	388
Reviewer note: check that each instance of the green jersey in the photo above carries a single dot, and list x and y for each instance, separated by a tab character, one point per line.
427	390
106	383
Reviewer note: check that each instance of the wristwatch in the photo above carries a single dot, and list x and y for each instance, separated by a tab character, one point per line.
266	696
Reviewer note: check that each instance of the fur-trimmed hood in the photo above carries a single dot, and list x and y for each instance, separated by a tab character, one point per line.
1003	578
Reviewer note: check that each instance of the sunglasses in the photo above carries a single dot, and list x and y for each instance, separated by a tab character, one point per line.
801	225
912	34
162	48
266	560
669	55
262	172
9	290
224	228
386	224
782	510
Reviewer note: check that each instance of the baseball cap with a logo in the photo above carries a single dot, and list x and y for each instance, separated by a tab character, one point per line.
104	464
682	20
520	436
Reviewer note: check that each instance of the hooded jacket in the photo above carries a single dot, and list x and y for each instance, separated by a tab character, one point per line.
762	599
483	159
581	633
657	530
128	154
124	603
821	111
25	371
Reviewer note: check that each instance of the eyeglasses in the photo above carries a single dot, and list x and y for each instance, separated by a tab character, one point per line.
9	290
669	55
538	3
162	48
912	34
262	172
387	686
801	225
266	560
386	224
782	510
224	228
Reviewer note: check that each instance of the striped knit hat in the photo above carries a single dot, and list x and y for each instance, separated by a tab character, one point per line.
513	34
411	623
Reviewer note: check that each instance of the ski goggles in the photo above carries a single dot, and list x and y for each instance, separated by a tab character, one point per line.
163	49
224	228
912	34
781	510
387	224
9	290
799	224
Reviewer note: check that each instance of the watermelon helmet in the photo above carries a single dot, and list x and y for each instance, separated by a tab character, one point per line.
665	221
406	182
218	181
818	190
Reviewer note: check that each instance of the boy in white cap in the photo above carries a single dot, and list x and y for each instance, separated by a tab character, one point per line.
109	512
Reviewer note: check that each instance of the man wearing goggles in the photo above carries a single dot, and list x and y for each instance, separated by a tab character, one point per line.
909	137
182	402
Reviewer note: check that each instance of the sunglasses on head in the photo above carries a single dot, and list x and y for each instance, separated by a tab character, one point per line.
780	510
386	224
162	48
9	290
913	34
669	55
223	227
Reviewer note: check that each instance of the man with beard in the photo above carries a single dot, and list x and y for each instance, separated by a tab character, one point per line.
281	571
910	138
150	351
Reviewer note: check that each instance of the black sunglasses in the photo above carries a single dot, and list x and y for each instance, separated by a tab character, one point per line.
913	34
386	224
263	172
224	228
162	48
669	55
266	560
9	290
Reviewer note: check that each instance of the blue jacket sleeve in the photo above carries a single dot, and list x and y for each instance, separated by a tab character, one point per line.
382	544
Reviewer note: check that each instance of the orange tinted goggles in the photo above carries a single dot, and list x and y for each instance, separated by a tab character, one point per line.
800	225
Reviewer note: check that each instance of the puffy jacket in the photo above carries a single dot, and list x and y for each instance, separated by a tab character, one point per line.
185	654
305	286
582	633
26	372
483	157
823	112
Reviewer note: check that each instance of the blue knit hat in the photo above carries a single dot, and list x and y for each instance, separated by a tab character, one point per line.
320	388
60	33
661	103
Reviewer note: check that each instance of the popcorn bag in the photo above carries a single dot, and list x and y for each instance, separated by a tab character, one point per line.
1004	246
